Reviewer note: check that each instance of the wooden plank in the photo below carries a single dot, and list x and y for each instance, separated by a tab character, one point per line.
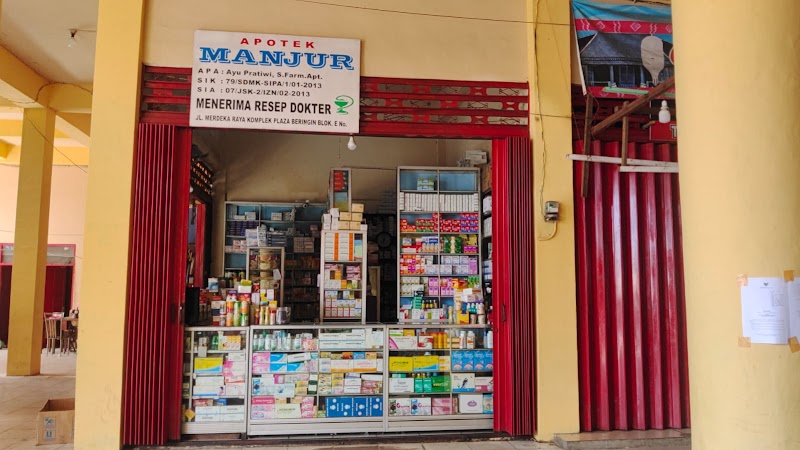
634	105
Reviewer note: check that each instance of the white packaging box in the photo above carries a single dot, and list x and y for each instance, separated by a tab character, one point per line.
210	390
209	381
470	403
334	212
231	417
235	389
207	418
233	409
401	385
207	410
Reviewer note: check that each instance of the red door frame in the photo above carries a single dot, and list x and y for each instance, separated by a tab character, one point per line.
451	109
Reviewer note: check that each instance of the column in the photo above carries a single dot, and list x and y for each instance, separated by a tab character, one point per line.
557	402
30	242
737	94
115	106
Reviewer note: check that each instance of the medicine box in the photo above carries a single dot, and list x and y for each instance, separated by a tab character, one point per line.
426	363
401	364
463	382
442	406
399	406
488	404
484	384
208	365
470	403
401	385
420	406
339	407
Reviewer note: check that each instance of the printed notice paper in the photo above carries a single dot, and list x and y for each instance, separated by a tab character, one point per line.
770	310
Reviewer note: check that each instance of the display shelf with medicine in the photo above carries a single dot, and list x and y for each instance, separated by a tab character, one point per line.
297	381
439	228
215	380
450	382
486	245
343	289
265	266
293	226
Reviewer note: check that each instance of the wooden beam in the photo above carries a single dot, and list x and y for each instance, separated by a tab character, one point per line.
625	127
634	105
587	145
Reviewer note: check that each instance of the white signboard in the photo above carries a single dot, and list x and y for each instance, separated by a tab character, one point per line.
275	82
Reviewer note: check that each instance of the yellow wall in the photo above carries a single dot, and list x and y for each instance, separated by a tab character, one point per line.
556	321
67	212
284	167
393	45
741	211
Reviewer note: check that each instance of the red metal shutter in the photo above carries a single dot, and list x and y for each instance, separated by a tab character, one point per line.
631	307
154	333
513	295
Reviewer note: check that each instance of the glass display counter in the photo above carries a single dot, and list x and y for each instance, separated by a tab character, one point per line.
214	380
440	377
343	378
316	379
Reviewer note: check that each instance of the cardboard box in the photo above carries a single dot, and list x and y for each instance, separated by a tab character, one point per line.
357	207
55	422
356	217
463	382
344	216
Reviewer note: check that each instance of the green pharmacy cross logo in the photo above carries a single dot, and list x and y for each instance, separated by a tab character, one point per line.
343	102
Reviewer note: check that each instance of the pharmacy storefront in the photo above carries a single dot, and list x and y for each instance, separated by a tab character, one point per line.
359	248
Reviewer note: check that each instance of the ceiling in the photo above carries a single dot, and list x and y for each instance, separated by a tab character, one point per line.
37	32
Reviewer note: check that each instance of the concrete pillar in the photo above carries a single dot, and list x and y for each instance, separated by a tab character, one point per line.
738	85
557	400
115	109
30	242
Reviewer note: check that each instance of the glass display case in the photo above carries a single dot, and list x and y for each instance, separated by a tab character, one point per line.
440	377
330	377
215	380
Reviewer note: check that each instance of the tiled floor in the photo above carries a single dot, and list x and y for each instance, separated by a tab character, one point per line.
23	397
484	445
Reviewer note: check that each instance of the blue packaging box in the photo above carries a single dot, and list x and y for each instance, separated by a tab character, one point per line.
361	406
278	357
457	360
375	406
469	360
277	367
339	406
488	359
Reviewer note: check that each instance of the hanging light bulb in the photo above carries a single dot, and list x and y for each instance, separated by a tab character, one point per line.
72	42
663	115
351	144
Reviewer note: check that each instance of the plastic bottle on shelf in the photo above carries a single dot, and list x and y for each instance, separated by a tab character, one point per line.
470	340
462	339
215	342
489	339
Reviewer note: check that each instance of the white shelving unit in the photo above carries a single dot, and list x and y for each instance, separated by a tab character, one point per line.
343	276
439	240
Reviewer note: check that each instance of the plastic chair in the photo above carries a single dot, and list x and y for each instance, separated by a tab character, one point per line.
52	333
